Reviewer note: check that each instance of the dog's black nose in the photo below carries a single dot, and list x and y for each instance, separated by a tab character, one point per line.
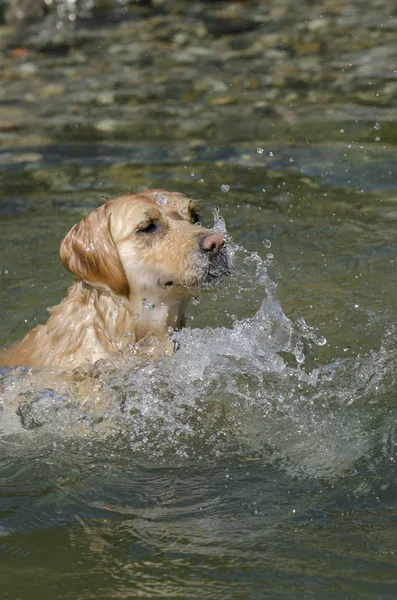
213	242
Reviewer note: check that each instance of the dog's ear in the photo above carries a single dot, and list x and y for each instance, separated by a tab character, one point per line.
88	251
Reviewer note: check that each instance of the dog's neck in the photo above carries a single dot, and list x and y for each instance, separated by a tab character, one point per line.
155	315
92	323
108	322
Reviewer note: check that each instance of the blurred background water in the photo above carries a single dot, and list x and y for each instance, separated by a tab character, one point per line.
260	460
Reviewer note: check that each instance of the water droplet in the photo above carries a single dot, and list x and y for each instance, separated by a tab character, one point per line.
160	198
219	222
147	304
225	187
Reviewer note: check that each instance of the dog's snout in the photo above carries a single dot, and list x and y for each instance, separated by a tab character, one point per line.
213	242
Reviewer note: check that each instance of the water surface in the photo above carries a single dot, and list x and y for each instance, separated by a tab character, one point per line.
260	460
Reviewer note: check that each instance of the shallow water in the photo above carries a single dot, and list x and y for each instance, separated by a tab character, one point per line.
260	460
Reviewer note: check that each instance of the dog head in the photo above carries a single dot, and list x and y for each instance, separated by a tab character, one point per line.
150	242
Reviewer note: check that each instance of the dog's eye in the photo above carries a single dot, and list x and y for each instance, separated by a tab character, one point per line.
194	216
148	228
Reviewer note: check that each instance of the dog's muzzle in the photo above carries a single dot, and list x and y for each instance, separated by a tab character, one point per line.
214	248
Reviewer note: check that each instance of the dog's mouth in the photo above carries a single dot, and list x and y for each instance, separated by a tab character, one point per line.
219	267
203	274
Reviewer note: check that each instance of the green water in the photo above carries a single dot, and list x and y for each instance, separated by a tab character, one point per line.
260	460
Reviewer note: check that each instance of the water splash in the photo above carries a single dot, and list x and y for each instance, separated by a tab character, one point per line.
219	222
160	198
255	389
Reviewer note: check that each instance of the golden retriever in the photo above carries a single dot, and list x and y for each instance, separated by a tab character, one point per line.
136	261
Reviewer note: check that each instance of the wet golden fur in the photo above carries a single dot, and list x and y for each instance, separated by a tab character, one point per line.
136	261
